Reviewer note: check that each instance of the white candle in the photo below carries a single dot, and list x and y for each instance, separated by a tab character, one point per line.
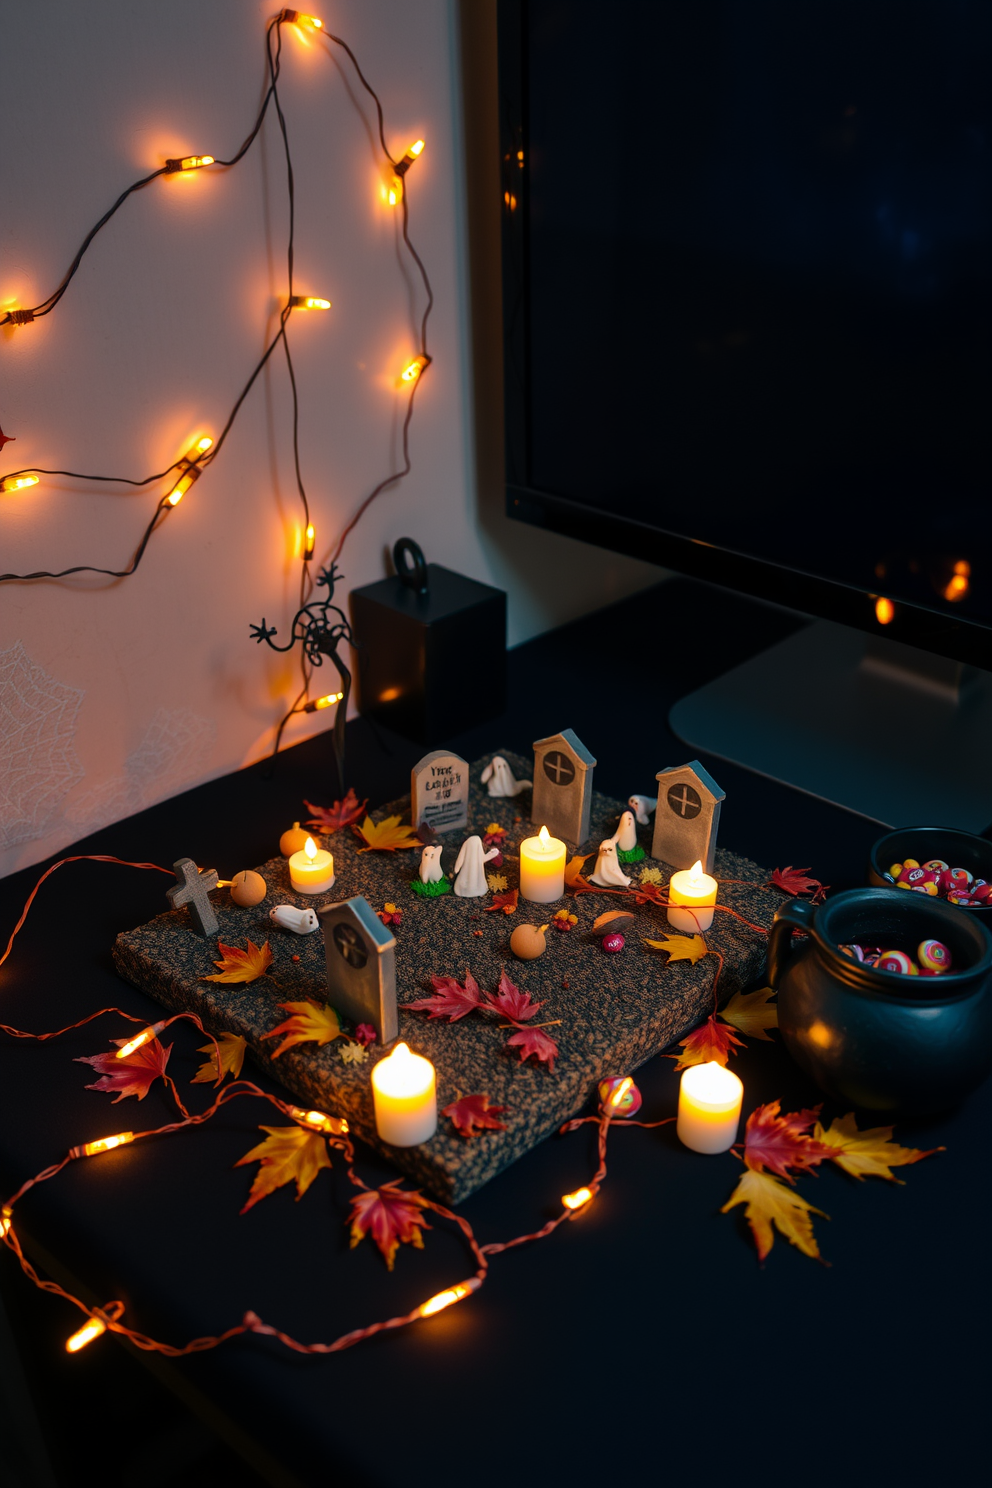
697	891
311	870
404	1090
542	868
709	1108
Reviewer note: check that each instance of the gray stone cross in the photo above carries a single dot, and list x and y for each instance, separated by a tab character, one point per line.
193	889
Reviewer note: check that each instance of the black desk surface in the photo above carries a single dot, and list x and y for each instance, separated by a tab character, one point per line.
641	1341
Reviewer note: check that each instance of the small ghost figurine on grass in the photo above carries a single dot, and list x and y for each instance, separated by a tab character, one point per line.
430	864
626	836
642	807
607	872
470	868
500	780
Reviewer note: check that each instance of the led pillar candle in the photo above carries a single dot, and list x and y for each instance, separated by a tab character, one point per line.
311	870
697	891
542	868
709	1108
405	1094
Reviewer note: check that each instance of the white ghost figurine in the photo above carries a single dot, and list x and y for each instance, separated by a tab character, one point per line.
470	868
301	921
430	864
626	833
499	778
607	873
642	807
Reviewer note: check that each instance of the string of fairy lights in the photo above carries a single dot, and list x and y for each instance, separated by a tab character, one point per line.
188	467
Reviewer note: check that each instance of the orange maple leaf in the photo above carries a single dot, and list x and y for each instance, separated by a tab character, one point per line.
779	1143
386	836
611	914
507	902
288	1153
472	1115
710	1041
232	1057
573	871
331	818
133	1075
310	1023
241	966
681	947
390	1216
752	1013
769	1203
867	1154
649	893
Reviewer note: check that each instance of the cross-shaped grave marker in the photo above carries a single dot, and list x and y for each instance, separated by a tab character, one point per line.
193	889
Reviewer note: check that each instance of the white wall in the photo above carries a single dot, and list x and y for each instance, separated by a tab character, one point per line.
115	694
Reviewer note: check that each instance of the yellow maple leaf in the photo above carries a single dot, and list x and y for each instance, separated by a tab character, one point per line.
353	1053
769	1203
288	1153
868	1154
241	966
681	947
387	835
752	1013
232	1057
573	870
309	1023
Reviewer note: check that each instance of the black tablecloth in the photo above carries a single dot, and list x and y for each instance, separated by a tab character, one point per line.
641	1342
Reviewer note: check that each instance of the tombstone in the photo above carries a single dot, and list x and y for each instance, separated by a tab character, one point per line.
361	965
562	797
686	817
439	791
193	889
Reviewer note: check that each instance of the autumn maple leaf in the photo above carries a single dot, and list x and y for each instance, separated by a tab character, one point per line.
310	1023
386	836
472	1115
332	818
390	1216
288	1153
779	1143
451	999
610	915
794	881
232	1056
752	1013
680	947
507	902
772	1203
241	966
867	1154
650	893
534	1041
133	1075
573	872
711	1041
511	1002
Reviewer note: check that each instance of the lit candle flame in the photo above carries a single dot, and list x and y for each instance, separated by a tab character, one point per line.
544	837
310	848
697	878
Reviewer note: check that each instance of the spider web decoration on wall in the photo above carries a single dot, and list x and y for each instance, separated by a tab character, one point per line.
38	760
173	755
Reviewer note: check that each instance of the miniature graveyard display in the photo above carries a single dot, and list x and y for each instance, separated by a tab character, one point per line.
562	797
192	891
687	816
439	791
361	965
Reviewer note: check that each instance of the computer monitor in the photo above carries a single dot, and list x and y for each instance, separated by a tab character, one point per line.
747	254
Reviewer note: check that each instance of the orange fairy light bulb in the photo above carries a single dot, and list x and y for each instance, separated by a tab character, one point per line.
6	1216
191	470
310	540
414	152
578	1199
140	1039
885	610
413	369
450	1295
189	163
616	1099
308	302
18	482
327	701
103	1144
91	1329
299	18
319	1120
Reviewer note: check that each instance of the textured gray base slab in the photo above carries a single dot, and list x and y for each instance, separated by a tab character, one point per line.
616	1011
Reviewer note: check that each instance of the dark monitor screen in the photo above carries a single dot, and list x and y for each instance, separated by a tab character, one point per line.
747	253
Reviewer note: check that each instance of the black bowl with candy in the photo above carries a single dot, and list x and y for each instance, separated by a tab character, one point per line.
939	862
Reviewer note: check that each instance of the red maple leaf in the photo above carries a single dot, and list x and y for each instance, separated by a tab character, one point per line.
495	835
710	1041
451	999
534	1041
779	1143
507	902
794	881
511	1002
649	893
365	1034
133	1075
333	818
472	1115
392	1218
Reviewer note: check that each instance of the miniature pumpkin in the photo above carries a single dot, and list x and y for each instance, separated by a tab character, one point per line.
248	888
293	840
527	942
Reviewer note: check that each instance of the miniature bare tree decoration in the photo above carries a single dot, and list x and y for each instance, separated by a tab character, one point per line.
321	627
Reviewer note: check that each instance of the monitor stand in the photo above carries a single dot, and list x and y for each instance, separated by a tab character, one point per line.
896	734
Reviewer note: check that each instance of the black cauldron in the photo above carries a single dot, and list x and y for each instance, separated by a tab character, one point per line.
886	1042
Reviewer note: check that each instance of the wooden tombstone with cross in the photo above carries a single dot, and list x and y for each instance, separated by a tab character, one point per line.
361	966
562	795
686	817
